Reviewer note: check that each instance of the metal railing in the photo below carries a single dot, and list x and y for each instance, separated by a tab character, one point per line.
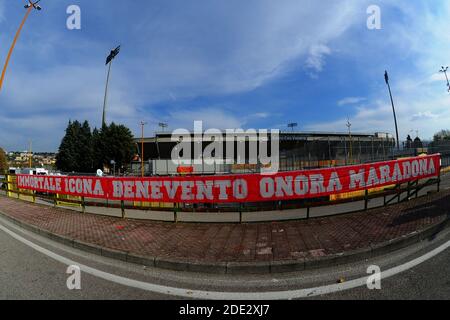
306	158
389	195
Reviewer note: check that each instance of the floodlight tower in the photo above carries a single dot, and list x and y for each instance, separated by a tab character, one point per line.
29	6
292	126
109	61
444	71
386	78
349	126
143	123
163	126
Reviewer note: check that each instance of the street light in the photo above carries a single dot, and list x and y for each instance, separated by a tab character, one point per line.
444	70
386	78
142	149
30	158
163	126
292	126
349	126
29	6
109	61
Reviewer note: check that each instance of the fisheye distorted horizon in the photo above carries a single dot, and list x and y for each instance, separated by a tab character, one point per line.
258	64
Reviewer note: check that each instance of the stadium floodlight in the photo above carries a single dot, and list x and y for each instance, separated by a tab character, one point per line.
292	126
349	126
29	6
143	123
386	78
34	5
163	126
444	70
109	61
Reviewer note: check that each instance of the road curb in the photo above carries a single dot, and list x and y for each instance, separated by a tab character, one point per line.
269	267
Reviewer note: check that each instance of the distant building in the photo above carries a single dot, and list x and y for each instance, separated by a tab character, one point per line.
22	159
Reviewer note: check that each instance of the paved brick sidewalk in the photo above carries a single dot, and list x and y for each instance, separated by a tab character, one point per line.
260	242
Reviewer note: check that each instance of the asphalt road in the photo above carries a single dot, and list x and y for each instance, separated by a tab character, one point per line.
30	270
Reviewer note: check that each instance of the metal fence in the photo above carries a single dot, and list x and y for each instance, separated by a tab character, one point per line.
311	155
324	206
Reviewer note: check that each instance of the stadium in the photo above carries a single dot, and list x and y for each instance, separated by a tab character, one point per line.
298	151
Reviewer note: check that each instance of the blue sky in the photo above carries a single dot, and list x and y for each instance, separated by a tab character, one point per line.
232	64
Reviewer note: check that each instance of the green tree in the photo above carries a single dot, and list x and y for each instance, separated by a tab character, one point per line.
3	161
84	156
75	151
443	135
84	151
66	157
97	149
113	142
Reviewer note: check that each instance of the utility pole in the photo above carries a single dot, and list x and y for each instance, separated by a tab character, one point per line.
142	149
386	78
29	6
444	70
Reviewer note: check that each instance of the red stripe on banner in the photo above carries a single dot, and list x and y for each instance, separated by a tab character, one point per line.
240	188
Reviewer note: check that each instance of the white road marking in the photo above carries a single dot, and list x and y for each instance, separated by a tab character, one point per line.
200	294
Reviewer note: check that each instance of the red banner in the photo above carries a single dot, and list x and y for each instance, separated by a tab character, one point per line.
240	188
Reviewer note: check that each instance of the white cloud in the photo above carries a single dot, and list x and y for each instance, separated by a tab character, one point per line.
438	77
262	115
212	117
252	45
377	116
69	89
170	55
367	120
421	99
423	116
316	57
350	101
215	49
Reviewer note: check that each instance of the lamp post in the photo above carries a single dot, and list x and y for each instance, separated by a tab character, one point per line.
29	6
163	126
349	126
292	126
444	70
142	149
109	61
30	158
386	78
